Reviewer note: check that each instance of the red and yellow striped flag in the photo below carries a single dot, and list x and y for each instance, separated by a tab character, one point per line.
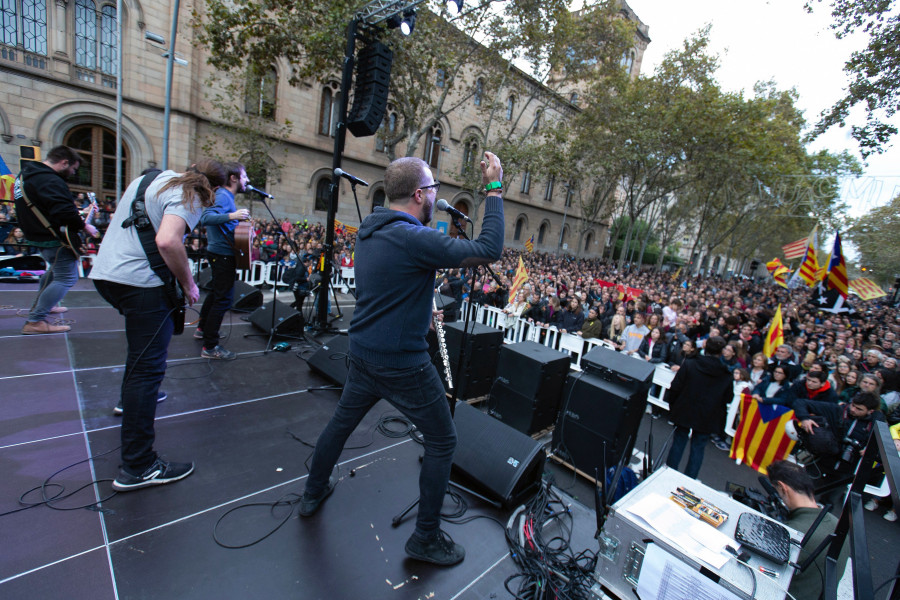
867	289
795	249
780	276
775	335
529	243
518	281
344	228
760	439
773	265
809	267
837	269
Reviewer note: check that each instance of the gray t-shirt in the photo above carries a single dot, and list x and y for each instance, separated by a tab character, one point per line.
121	258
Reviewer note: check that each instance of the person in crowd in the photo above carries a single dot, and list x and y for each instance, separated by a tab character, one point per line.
795	486
616	329
514	310
15	244
773	389
396	259
689	350
698	400
592	326
814	386
758	368
729	357
653	347
742	381
572	317
784	356
873	360
123	277
851	386
634	334
41	188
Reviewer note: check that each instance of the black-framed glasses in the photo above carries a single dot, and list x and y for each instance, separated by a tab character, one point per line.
436	185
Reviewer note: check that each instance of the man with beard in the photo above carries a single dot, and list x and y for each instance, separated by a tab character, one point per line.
396	258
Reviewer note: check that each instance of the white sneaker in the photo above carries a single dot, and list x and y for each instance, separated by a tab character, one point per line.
872	504
890	515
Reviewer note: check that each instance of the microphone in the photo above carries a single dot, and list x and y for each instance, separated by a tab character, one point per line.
445	206
770	489
349	177
250	188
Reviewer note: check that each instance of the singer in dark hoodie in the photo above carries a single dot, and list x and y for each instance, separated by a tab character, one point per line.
396	258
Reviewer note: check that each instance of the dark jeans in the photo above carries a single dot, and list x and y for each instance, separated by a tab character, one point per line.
418	393
218	301
148	330
698	447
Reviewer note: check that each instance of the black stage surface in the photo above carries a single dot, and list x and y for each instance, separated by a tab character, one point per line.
246	425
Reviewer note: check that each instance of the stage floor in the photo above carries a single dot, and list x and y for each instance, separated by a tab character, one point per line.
249	426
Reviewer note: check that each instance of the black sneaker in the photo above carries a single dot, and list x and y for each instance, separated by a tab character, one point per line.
218	353
160	472
309	504
159	398
439	549
722	445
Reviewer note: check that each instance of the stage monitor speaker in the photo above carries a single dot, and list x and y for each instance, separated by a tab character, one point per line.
480	358
499	462
287	320
528	387
616	366
596	410
332	360
204	279
246	297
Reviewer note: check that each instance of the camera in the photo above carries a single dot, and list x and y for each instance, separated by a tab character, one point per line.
849	447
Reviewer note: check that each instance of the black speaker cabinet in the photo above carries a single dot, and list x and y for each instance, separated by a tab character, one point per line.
623	368
499	462
480	358
448	305
246	297
528	387
597	411
287	320
204	279
332	360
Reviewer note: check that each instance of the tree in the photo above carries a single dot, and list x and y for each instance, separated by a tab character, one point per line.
873	72
875	235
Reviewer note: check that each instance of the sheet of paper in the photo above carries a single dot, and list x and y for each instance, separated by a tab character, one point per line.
664	577
671	522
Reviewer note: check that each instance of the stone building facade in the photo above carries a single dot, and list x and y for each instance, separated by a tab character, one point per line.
58	85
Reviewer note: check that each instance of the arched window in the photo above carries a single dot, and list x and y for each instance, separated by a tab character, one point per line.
510	108
526	182
479	91
378	198
433	148
470	155
543	230
536	124
627	61
93	39
260	94
548	193
323	194
97	147
520	224
328	111
588	240
24	24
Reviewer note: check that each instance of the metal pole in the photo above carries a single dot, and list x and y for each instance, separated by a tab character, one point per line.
119	102
170	66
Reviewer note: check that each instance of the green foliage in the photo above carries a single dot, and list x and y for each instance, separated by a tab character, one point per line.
875	236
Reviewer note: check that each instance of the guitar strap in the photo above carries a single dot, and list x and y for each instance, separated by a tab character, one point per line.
37	212
146	232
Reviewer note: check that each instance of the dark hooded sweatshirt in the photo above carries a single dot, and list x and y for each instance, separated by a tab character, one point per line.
700	393
48	191
396	259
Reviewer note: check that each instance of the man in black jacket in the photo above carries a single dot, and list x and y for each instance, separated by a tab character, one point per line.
43	184
698	399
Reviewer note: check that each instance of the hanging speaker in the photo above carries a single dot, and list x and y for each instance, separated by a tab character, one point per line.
370	93
287	320
499	462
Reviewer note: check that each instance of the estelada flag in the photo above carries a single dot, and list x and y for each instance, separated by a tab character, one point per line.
529	243
7	180
760	439
867	289
518	281
775	335
795	249
837	269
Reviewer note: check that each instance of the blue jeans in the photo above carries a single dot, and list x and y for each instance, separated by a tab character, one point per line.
55	282
218	301
698	447
418	393
148	330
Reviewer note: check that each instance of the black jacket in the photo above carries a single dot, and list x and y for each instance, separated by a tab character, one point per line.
700	393
48	191
660	353
838	418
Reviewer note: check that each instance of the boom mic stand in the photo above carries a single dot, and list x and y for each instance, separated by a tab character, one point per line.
278	272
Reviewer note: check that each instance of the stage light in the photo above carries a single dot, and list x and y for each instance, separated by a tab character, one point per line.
454	7
409	22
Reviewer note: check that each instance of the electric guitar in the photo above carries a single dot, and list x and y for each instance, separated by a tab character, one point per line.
175	297
71	238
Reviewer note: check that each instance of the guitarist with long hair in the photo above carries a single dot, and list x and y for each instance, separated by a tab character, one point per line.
44	205
125	276
220	221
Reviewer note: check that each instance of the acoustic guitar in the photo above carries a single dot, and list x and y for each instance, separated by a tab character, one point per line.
73	239
243	240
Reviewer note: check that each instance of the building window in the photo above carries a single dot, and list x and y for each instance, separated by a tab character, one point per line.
378	198
328	111
541	232
627	61
391	131
260	98
96	146
588	240
520	225
89	45
24	23
570	193
470	155
323	194
479	91
510	108
548	193
526	182
536	124
433	148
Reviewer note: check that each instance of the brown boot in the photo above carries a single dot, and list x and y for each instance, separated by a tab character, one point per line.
38	327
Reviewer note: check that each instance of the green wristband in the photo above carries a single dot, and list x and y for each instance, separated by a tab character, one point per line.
494	185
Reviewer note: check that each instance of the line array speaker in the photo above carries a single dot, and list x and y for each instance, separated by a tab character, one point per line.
370	94
499	462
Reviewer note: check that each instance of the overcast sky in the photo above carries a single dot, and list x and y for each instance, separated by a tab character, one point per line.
759	40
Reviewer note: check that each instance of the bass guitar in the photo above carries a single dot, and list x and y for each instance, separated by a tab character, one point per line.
73	239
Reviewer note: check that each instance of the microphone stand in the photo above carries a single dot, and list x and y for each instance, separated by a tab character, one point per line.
279	235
